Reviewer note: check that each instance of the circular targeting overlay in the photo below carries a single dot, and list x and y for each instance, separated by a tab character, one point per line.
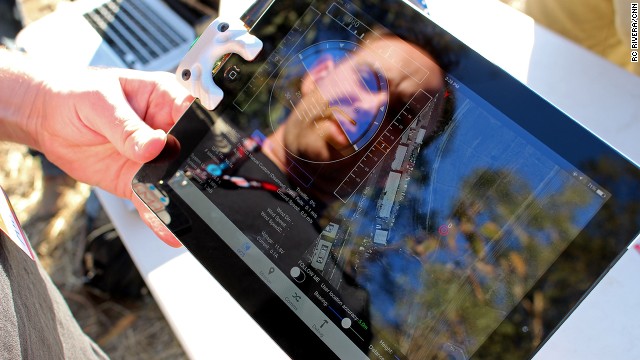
334	94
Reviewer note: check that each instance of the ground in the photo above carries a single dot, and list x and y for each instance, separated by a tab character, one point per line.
52	211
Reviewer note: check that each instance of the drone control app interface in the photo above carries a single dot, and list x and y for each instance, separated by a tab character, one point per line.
398	214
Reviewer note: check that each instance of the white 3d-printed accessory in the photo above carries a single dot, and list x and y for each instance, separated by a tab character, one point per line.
222	36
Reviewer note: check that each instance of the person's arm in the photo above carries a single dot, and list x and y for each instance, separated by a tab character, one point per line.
98	125
17	89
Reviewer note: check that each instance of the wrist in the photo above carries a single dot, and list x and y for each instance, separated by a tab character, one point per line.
19	98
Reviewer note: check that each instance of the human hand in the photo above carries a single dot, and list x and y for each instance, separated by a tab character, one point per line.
105	123
101	125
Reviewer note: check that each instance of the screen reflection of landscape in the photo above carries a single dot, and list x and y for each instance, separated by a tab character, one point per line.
447	240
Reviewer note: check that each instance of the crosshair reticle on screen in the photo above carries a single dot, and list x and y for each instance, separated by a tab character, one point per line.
328	87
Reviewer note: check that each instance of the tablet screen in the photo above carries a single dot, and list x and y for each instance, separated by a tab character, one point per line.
392	208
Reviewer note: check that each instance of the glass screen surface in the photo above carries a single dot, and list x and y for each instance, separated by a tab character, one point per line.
396	212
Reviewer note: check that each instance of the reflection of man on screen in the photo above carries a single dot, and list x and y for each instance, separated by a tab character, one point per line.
348	95
341	108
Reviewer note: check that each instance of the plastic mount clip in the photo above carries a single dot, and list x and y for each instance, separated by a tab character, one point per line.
222	36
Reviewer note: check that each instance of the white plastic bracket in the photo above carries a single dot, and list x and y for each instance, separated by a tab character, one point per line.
222	36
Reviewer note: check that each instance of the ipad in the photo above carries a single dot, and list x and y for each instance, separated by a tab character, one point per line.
371	188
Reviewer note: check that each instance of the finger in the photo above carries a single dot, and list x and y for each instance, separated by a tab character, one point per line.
181	106
155	96
152	221
112	116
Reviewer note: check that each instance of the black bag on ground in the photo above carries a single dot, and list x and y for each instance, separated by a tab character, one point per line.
108	266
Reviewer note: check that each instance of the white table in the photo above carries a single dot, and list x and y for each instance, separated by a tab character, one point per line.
208	322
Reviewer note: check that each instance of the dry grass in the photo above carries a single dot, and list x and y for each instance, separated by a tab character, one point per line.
51	209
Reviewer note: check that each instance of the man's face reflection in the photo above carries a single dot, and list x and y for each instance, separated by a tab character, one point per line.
350	96
344	96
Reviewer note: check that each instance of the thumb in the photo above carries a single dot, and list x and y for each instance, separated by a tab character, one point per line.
115	119
144	143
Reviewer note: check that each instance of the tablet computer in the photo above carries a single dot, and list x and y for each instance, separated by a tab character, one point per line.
370	187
